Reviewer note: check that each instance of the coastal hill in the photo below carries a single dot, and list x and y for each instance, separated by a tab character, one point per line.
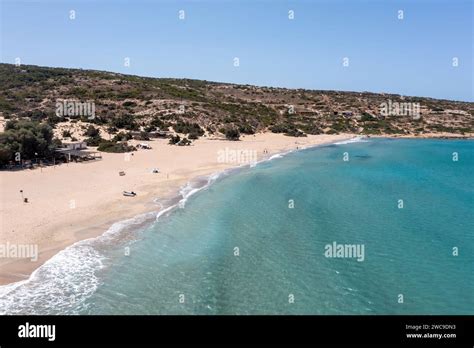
126	104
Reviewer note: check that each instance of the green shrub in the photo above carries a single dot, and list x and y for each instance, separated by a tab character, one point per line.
288	129
92	131
293	132
94	141
366	117
142	136
122	136
246	129
187	128
125	121
184	142
149	128
232	133
129	104
115	147
174	139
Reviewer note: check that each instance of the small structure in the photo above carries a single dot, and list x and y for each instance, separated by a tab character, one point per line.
77	151
74	145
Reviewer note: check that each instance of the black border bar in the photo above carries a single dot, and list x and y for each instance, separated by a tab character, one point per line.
290	330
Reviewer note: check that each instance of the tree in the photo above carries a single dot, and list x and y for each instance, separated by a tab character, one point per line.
29	139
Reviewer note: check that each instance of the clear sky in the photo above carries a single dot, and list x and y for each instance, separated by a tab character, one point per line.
412	56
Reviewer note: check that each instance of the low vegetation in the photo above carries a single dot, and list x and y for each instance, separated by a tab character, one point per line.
112	146
129	107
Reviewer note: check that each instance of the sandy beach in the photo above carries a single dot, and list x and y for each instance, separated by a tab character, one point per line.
76	201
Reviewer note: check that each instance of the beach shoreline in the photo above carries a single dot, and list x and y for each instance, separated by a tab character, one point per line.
78	201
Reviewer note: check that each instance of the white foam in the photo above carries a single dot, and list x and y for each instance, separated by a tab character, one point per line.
58	286
353	140
64	282
278	155
187	191
164	211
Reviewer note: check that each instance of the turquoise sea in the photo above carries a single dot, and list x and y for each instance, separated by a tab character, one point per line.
253	240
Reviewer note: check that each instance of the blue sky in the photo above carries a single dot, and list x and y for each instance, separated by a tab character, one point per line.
412	56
